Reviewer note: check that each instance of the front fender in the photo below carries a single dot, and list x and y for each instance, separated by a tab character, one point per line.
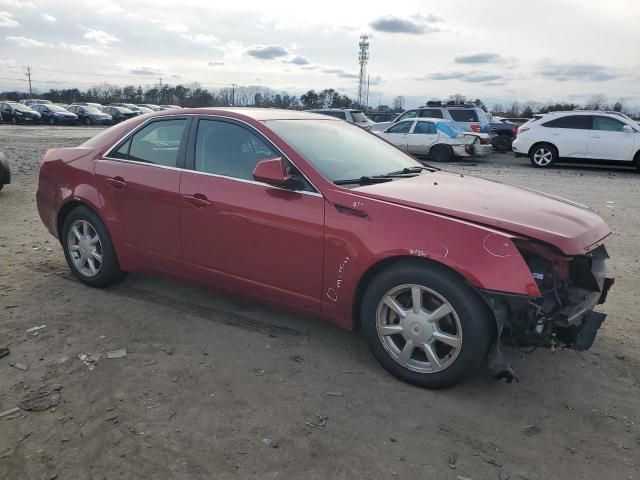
354	245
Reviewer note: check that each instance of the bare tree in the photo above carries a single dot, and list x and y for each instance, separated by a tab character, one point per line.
398	103
597	102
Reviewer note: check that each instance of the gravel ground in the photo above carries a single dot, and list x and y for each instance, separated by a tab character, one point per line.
216	387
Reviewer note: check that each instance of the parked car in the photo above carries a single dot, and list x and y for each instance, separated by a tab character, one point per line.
14	112
468	117
517	120
378	117
90	115
442	140
579	135
150	106
348	114
34	101
55	114
90	104
312	213
119	114
138	110
169	107
5	171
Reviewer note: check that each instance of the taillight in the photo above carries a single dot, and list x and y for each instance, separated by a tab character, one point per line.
475	127
521	130
515	130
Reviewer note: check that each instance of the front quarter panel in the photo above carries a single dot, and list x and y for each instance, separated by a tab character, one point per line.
355	242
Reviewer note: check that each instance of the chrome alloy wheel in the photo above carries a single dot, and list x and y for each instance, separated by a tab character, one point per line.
418	328
85	248
543	156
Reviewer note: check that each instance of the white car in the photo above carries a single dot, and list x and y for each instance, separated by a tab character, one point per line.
357	117
579	135
439	139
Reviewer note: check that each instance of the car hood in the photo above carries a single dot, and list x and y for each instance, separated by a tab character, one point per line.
572	228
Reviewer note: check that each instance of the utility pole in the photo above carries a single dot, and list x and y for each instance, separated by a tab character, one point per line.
363	58
159	92
367	91
233	94
28	74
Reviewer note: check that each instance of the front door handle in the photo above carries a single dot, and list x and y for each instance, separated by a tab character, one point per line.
595	136
116	182
197	200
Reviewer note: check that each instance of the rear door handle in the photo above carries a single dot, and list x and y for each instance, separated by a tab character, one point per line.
595	136
197	200
116	182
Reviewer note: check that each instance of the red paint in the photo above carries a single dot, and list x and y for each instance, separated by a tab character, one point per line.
298	249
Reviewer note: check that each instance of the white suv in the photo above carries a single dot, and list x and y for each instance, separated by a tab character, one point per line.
580	135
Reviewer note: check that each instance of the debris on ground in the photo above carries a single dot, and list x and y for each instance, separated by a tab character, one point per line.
40	399
491	461
296	358
111	417
9	412
453	458
4	351
271	443
321	422
19	366
36	330
333	394
531	430
89	359
117	353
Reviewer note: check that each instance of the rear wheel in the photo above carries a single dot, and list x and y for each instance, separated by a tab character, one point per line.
14	120
636	160
441	153
88	249
543	155
425	325
502	143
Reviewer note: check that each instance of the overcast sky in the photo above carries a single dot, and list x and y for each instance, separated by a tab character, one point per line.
538	50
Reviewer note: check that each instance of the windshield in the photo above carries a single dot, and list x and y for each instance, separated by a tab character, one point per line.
56	108
91	109
341	150
21	107
358	117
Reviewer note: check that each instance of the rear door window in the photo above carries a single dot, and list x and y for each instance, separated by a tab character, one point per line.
463	115
578	122
157	143
425	128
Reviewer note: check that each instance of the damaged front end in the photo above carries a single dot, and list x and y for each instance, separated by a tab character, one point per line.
570	288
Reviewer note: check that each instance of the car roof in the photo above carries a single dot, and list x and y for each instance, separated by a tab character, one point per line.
259	114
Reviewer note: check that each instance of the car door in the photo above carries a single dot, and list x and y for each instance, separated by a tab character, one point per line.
569	133
243	234
421	137
138	182
398	134
608	141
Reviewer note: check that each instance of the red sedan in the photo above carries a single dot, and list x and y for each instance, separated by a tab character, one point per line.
308	212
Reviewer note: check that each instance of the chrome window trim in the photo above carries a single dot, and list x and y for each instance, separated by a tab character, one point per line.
253	129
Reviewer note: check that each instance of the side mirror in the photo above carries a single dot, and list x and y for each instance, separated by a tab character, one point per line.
628	129
272	171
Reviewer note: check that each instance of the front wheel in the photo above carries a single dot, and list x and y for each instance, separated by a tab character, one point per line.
51	121
87	121
424	325
543	155
88	249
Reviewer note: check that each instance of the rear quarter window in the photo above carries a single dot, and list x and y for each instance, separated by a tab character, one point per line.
464	115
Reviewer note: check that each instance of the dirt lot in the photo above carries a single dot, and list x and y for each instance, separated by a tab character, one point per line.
213	387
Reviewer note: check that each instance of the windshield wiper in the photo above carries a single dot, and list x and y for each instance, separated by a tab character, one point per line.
363	180
409	170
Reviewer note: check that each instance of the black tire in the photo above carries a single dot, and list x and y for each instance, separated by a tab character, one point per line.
441	153
636	161
1	186
475	319
87	121
52	121
14	120
543	155
109	271
502	143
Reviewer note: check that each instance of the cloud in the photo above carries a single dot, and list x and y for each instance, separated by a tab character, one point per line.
176	27
479	58
49	18
469	77
100	37
141	70
215	64
416	25
10	62
267	52
26	42
17	4
7	21
297	60
563	72
201	38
